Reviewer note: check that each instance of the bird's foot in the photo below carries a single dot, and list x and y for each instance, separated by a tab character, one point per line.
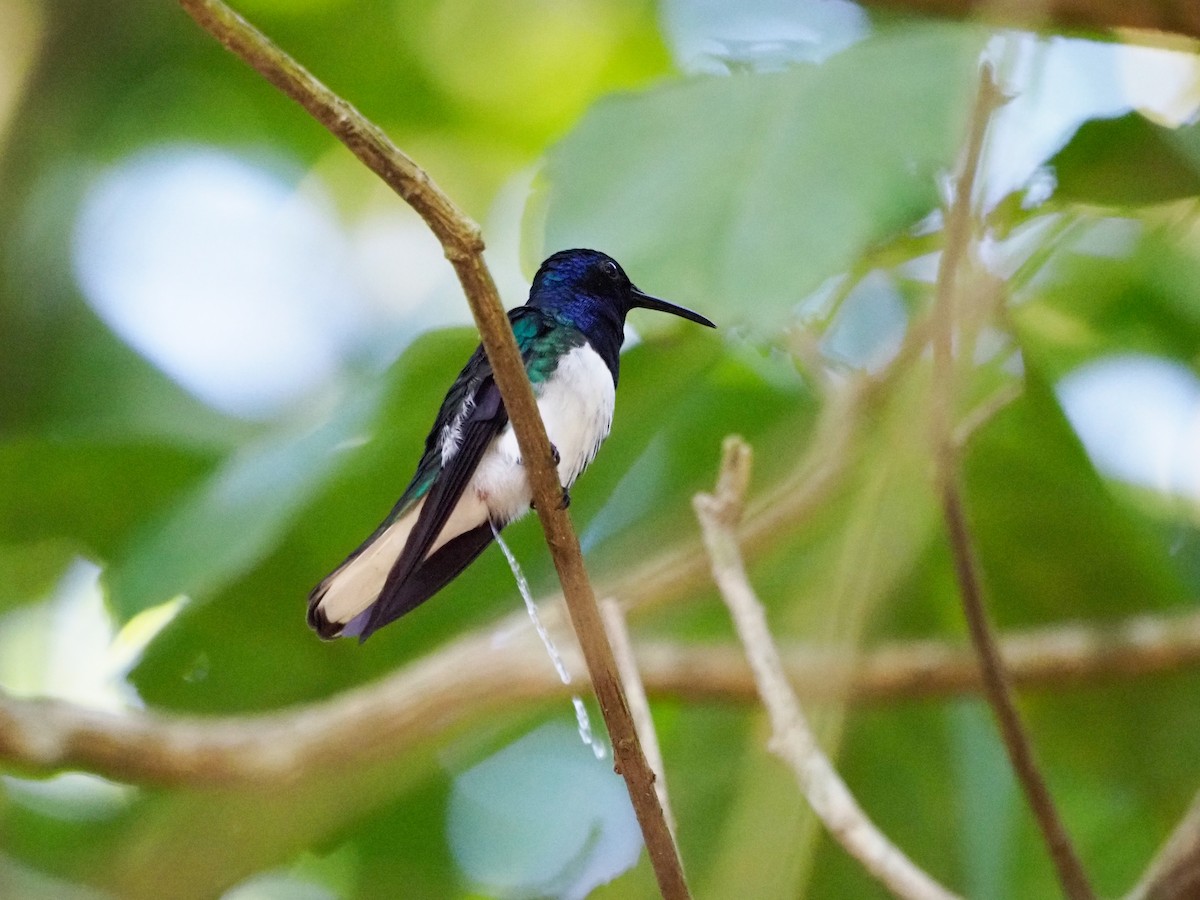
566	497
566	501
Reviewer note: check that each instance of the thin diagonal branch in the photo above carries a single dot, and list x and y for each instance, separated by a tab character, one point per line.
463	246
953	271
793	739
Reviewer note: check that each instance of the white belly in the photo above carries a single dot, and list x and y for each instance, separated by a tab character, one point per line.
576	404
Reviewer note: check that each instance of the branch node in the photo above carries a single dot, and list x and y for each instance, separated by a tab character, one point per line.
468	244
734	480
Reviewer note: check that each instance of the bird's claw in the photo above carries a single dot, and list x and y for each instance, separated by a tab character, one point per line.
566	501
566	497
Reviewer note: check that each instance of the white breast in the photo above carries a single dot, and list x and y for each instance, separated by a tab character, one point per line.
576	404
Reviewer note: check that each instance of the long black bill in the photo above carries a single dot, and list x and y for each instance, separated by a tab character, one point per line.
645	301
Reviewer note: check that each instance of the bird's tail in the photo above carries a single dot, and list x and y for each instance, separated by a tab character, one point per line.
352	588
403	595
369	590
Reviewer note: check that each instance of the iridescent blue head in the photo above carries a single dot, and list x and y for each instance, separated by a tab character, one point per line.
588	290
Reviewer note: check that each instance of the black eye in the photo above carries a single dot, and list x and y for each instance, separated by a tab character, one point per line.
610	269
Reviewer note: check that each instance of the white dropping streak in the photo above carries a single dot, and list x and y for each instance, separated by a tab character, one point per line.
585	728
581	714
531	608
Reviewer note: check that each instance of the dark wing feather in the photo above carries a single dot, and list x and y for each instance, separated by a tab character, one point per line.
476	371
485	421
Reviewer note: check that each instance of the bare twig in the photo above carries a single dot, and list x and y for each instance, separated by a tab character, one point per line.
635	692
463	246
953	269
998	689
495	668
1174	873
1088	16
792	739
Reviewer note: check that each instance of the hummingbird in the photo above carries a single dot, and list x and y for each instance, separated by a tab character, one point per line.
470	482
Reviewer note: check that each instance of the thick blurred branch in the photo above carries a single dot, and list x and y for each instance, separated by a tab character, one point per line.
463	246
1180	17
792	738
1050	659
952	299
490	670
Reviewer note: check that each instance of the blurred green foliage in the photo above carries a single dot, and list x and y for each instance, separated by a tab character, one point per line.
791	206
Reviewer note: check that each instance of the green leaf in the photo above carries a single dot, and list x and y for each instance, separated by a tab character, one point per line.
93	494
199	832
741	195
29	571
249	646
1128	161
1053	542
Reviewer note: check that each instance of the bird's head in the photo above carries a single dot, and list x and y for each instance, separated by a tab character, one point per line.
590	289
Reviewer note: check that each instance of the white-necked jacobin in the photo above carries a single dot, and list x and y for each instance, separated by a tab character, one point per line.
470	478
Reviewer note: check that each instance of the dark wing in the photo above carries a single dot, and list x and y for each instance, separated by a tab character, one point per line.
479	427
469	379
473	374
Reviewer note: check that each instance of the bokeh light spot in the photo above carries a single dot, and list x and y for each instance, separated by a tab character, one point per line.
220	272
